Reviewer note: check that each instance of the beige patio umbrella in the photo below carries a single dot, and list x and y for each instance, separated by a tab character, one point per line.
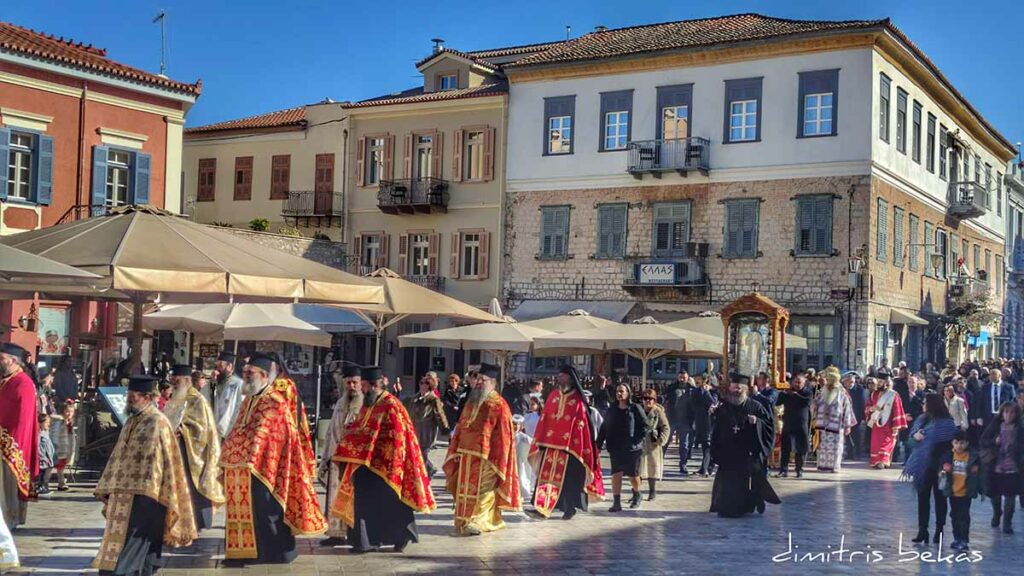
18	265
498	338
145	254
572	322
712	326
239	321
645	339
403	299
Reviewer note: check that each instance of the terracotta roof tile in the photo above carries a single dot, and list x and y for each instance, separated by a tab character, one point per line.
281	118
466	55
513	50
417	95
650	38
19	40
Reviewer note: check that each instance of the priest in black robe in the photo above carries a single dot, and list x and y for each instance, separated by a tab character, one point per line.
796	425
741	442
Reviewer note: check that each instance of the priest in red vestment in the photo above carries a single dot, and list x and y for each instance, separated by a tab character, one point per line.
18	417
885	415
268	471
383	479
481	470
563	452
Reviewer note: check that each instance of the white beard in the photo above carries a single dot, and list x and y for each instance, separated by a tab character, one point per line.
175	407
255	386
349	406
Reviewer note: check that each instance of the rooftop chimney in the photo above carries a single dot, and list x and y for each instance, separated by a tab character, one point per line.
600	28
438	44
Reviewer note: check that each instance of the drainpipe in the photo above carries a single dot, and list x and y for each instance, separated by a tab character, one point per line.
344	193
81	145
502	177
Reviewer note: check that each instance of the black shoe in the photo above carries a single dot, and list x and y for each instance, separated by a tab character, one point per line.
922	536
332	541
1007	529
684	473
782	474
996	520
799	474
634	502
937	537
399	548
760	507
616	504
569	514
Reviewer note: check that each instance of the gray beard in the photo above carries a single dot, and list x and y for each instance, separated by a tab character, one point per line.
371	397
477	395
133	411
736	398
350	405
254	386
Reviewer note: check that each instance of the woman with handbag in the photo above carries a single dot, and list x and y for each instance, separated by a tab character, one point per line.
933	433
652	463
1002	455
622	433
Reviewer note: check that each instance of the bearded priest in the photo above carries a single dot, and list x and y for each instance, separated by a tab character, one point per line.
346	410
564	451
480	470
268	471
192	419
383	477
21	446
143	488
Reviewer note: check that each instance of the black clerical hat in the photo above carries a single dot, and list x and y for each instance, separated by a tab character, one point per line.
490	370
567	369
262	361
735	378
143	383
14	350
372	373
351	371
181	370
226	356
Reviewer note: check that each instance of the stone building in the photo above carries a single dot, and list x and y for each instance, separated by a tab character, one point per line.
1013	308
676	166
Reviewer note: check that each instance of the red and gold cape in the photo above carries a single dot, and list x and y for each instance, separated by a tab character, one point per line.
382	439
15	462
18	415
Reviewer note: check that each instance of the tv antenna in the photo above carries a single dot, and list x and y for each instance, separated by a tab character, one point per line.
161	17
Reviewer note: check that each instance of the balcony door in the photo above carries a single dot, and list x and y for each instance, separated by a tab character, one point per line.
424	157
324	184
673	124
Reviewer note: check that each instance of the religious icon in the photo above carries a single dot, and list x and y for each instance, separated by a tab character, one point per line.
751	344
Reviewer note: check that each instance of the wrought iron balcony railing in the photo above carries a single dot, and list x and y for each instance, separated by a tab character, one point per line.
680	155
435	283
412	195
968	199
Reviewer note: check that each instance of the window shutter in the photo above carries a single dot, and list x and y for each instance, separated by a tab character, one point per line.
562	224
407	160
140	179
749	246
457	155
604	234
434	255
732	230
5	152
437	160
882	233
360	161
805	226
403	254
43	169
389	158
456	252
547	231
489	154
384	258
619	220
484	258
823	225
99	176
357	242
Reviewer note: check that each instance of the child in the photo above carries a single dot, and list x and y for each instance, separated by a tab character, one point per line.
46	454
523	442
960	477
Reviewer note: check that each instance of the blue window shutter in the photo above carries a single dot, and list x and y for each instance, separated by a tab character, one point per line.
823	219
140	178
5	151
43	165
99	177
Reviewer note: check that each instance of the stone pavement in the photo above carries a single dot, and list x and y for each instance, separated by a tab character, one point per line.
866	509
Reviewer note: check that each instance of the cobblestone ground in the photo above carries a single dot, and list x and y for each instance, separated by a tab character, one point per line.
865	509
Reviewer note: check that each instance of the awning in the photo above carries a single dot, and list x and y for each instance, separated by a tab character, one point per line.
330	319
901	317
536	309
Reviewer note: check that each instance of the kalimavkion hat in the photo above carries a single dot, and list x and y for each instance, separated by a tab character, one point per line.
739	378
181	370
262	361
143	383
226	356
13	350
372	373
490	370
351	372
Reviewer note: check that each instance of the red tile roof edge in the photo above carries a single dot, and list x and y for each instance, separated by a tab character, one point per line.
480	91
295	116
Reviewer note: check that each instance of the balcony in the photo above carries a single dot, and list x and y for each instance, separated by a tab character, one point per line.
1015	178
681	155
435	283
319	207
683	274
967	199
413	195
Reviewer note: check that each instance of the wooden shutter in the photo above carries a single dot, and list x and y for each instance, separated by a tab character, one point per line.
437	160
243	189
457	145
749	235
407	160
5	149
823	222
604	231
732	229
433	254
562	231
547	226
455	254
99	176
357	244
323	176
489	154
403	254
43	180
883	231
618	239
140	178
805	226
484	258
280	176
360	160
388	170
384	259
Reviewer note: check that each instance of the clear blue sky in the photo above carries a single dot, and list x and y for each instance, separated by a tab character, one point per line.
261	55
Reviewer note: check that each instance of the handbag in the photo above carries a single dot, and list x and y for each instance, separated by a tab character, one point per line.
943	482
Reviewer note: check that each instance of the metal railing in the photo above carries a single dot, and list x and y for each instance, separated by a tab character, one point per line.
412	195
435	283
968	199
312	203
675	272
82	211
677	154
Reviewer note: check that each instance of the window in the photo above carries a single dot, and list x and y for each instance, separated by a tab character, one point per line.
611	230
883	107
929	248
881	343
999	194
929	161
915	239
280	176
473	155
999	275
19	166
369	252
954	255
554	236
117	177
915	138
323	177
988	267
374	161
423	159
901	120
821	344
977	168
977	260
882	231
549	364
243	178
419	248
742	110
470	255
207	180
671	229
814	225
616	108
448	82
741	228
943	151
673	112
558	124
897	236
818	96
942	249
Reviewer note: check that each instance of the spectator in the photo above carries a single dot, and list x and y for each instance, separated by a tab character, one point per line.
963	473
652	463
956	406
623	432
46	454
858	398
166	390
427	414
796	422
1002	454
453	397
65	384
932	433
602	394
64	435
703	401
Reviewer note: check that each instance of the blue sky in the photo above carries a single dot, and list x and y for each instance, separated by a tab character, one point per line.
261	55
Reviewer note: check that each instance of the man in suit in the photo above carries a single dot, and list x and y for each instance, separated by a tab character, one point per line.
858	398
985	406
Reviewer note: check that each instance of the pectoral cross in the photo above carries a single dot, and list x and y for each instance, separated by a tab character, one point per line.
736	429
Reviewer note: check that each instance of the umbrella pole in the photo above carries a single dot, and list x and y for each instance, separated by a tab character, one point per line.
135	354
316	426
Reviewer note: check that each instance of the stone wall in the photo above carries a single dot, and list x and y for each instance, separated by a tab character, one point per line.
331	254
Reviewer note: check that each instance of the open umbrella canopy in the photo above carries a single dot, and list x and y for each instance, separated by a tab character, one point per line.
17	265
573	321
142	249
493	337
272	322
712	326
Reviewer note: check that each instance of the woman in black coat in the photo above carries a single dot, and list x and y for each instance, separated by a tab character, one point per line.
1002	454
623	432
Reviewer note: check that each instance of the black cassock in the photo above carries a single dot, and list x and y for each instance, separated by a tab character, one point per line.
144	540
275	543
741	450
201	505
380	517
574	488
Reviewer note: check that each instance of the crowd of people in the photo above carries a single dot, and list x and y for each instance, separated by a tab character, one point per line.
533	448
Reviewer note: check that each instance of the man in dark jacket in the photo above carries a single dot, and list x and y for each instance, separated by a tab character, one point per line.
990	396
858	399
453	397
796	423
680	417
703	399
